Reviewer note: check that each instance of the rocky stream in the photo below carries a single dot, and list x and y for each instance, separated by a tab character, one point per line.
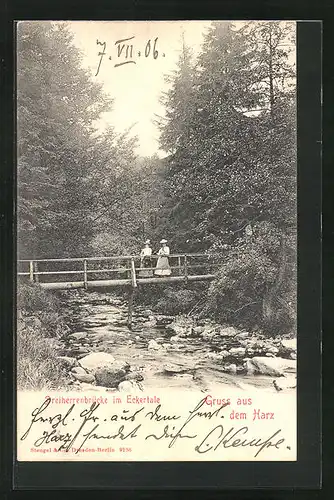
100	353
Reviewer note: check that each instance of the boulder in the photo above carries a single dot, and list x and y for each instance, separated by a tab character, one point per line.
90	387
78	370
242	336
237	352
224	354
289	344
129	386
154	345
82	350
249	367
164	320
228	332
208	333
97	360
88	378
137	376
147	313
149	324
112	375
275	367
180	330
170	368
78	335
107	371
175	338
198	330
67	362
272	350
232	368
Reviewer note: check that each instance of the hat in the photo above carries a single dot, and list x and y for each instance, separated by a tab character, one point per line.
163	241
147	242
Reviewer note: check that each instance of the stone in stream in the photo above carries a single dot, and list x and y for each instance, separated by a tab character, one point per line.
149	324
232	368
147	313
80	374
88	378
170	368
162	320
272	350
129	386
137	376
228	332
175	338
154	345
242	336
107	371
237	352
288	348
94	361
78	335
67	362
198	330
275	367
113	375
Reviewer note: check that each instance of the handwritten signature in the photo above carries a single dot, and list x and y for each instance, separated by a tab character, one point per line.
126	52
175	428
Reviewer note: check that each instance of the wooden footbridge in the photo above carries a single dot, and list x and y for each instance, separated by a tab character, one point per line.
115	271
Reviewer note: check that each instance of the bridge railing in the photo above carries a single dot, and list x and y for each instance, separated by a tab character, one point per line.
122	269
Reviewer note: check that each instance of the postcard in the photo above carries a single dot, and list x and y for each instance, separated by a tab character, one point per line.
157	229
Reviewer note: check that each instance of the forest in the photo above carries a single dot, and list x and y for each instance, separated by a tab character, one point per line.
226	184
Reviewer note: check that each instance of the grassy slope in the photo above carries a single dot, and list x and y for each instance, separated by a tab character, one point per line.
39	325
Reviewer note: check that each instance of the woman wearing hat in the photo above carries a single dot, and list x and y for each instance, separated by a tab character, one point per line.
163	268
145	259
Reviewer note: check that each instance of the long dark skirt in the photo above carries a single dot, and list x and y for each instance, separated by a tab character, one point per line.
145	262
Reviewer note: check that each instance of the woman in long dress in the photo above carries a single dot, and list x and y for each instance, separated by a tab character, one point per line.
145	260
162	267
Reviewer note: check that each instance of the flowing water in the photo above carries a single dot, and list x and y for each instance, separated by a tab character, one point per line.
99	321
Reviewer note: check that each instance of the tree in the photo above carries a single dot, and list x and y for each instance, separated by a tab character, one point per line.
57	106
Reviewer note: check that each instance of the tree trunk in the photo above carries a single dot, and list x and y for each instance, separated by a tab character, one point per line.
271	77
268	305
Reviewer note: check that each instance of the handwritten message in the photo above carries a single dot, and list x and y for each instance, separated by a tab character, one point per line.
125	51
150	428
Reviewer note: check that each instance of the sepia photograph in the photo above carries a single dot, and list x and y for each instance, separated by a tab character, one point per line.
156	240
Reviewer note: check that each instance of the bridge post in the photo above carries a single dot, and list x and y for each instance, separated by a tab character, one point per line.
36	276
85	274
185	269
132	293
31	271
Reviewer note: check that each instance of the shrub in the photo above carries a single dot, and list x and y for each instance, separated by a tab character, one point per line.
244	278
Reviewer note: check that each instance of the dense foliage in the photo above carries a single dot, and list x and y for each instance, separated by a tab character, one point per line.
231	171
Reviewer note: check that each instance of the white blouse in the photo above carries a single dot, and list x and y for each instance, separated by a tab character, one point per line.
146	252
164	250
